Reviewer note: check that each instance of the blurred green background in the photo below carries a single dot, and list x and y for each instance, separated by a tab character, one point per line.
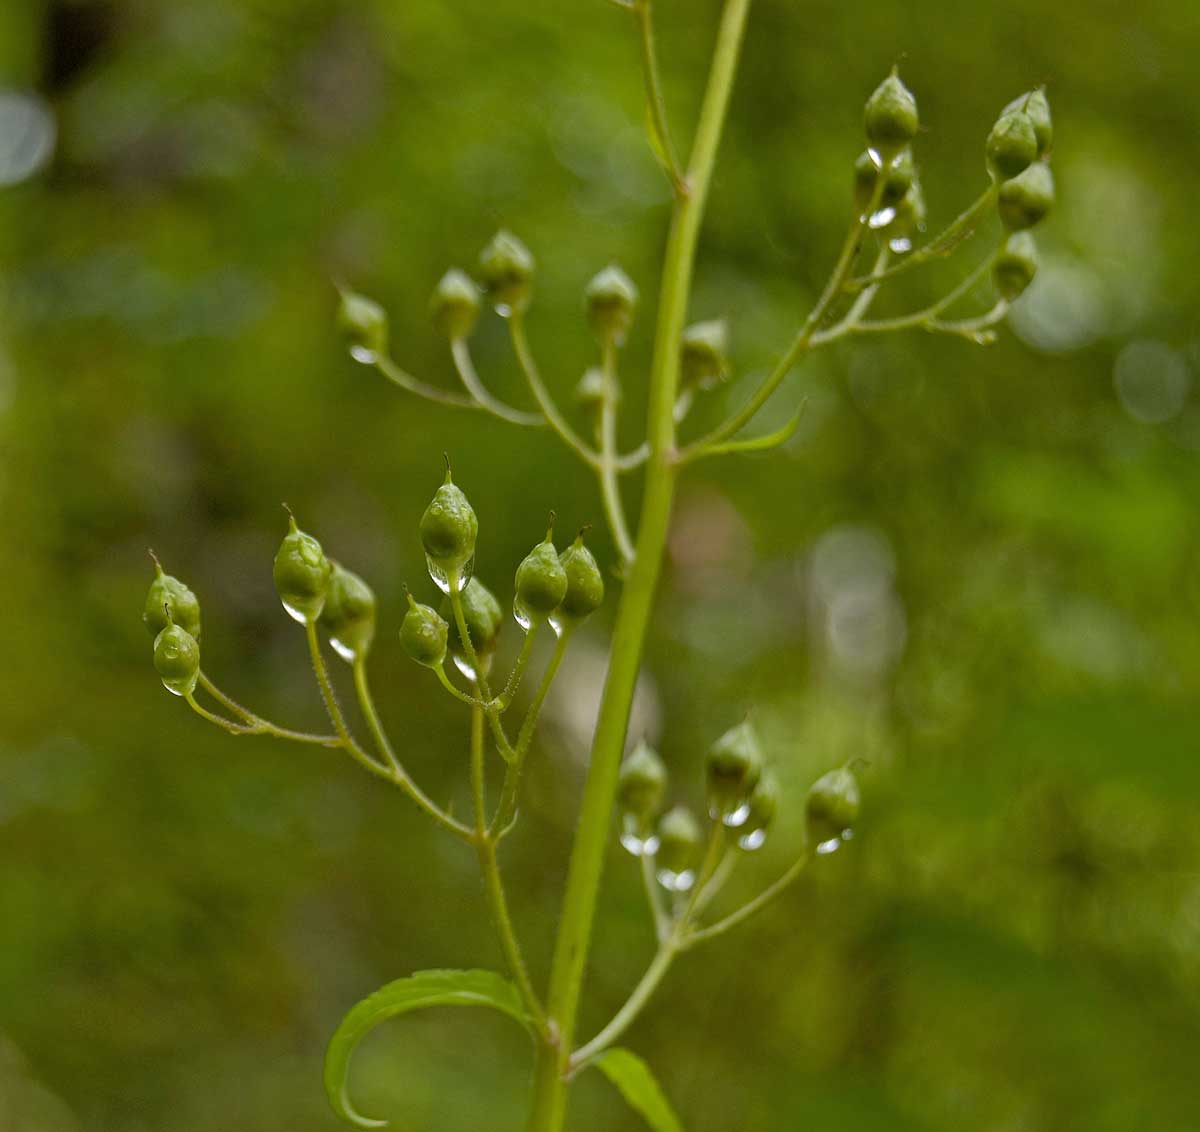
978	570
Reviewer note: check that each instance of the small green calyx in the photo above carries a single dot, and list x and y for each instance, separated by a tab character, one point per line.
168	595
1015	266
891	119
593	390
679	840
641	783
301	574
1037	106
506	268
585	584
899	177
541	582
364	325
1012	145
454	307
349	613
732	769
424	634
1025	201
448	531
764	802
177	658
703	349
611	299
483	616
832	807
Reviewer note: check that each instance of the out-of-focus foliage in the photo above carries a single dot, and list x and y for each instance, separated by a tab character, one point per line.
977	570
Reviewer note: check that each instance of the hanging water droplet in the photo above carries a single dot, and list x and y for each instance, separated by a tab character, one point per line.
677	882
755	839
464	666
346	651
901	245
636	838
364	355
833	844
875	156
521	616
882	218
732	819
443	580
504	310
296	614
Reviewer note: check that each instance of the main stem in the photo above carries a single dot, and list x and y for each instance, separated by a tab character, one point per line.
633	615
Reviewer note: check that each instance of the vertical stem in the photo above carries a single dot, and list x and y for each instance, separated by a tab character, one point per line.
610	487
587	857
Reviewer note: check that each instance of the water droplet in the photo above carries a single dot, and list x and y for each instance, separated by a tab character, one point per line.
833	844
901	245
521	616
464	666
876	157
882	218
558	623
636	839
755	839
364	355
296	614
504	310
732	819
173	691
347	652
677	882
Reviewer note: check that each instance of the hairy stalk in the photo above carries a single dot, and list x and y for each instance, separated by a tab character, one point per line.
587	856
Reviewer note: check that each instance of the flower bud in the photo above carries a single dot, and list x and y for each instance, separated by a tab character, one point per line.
177	658
592	390
168	594
585	583
454	307
1015	266
611	298
301	574
732	769
364	325
702	354
349	613
448	531
897	180
832	807
506	269
483	616
1037	106
764	801
891	118
1025	200
679	840
423	633
541	583
642	782
1012	144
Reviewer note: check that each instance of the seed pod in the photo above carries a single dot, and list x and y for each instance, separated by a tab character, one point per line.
448	531
1025	200
349	613
679	840
301	574
642	782
506	269
423	633
168	594
364	325
611	298
764	802
1016	266
832	806
585	583
483	615
1012	145
899	177
732	770
541	582
1037	106
891	118
454	307
592	390
702	354
177	658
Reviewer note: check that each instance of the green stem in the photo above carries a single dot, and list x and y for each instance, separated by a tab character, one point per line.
655	101
405	380
518	670
700	935
662	922
633	617
255	724
461	352
491	710
610	486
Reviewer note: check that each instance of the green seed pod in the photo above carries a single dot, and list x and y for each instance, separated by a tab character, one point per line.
1025	200
592	390
301	574
541	582
506	269
454	307
764	802
702	354
679	840
364	325
611	298
168	594
732	770
448	532
483	615
642	782
1012	145
1016	266
177	658
423	633
891	118
1037	106
349	613
832	806
899	177
585	583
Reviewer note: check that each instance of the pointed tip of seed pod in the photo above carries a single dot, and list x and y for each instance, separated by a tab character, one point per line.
449	473
292	527
412	601
550	527
582	533
158	570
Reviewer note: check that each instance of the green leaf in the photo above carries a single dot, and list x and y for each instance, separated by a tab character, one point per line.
636	1083
425	988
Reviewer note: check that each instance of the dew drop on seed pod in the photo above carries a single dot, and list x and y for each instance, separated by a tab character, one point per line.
521	616
882	218
347	652
833	844
295	614
464	666
875	156
677	882
557	623
755	839
731	819
635	842
364	355
901	245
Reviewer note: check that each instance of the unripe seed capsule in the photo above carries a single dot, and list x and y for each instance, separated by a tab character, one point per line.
891	119
349	613
732	769
585	583
1016	266
448	532
832	808
424	634
611	298
1037	106
484	617
679	840
592	390
702	354
1012	145
301	574
168	594
1025	200
454	307
506	268
541	583
642	782
364	325
177	659
764	802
